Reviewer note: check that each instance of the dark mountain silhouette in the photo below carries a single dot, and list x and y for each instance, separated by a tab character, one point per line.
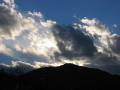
65	77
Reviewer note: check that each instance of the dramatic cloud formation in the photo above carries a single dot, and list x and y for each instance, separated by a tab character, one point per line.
72	42
28	41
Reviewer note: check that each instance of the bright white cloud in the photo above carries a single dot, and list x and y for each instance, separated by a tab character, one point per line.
98	31
26	33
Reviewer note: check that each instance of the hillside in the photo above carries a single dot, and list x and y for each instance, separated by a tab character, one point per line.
65	77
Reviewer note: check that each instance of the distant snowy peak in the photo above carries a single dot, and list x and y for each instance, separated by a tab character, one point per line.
18	70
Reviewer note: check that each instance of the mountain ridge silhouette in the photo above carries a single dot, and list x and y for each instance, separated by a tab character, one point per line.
65	77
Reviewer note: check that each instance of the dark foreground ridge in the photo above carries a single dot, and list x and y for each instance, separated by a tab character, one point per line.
65	77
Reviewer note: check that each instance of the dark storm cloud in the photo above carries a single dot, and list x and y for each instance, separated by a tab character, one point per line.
72	42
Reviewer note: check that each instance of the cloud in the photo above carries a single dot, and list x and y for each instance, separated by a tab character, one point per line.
115	43
115	25
104	62
98	31
72	42
26	33
7	20
9	2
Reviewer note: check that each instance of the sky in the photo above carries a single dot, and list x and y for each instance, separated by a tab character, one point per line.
37	33
63	11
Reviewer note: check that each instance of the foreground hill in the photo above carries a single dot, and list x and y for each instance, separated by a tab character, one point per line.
65	77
